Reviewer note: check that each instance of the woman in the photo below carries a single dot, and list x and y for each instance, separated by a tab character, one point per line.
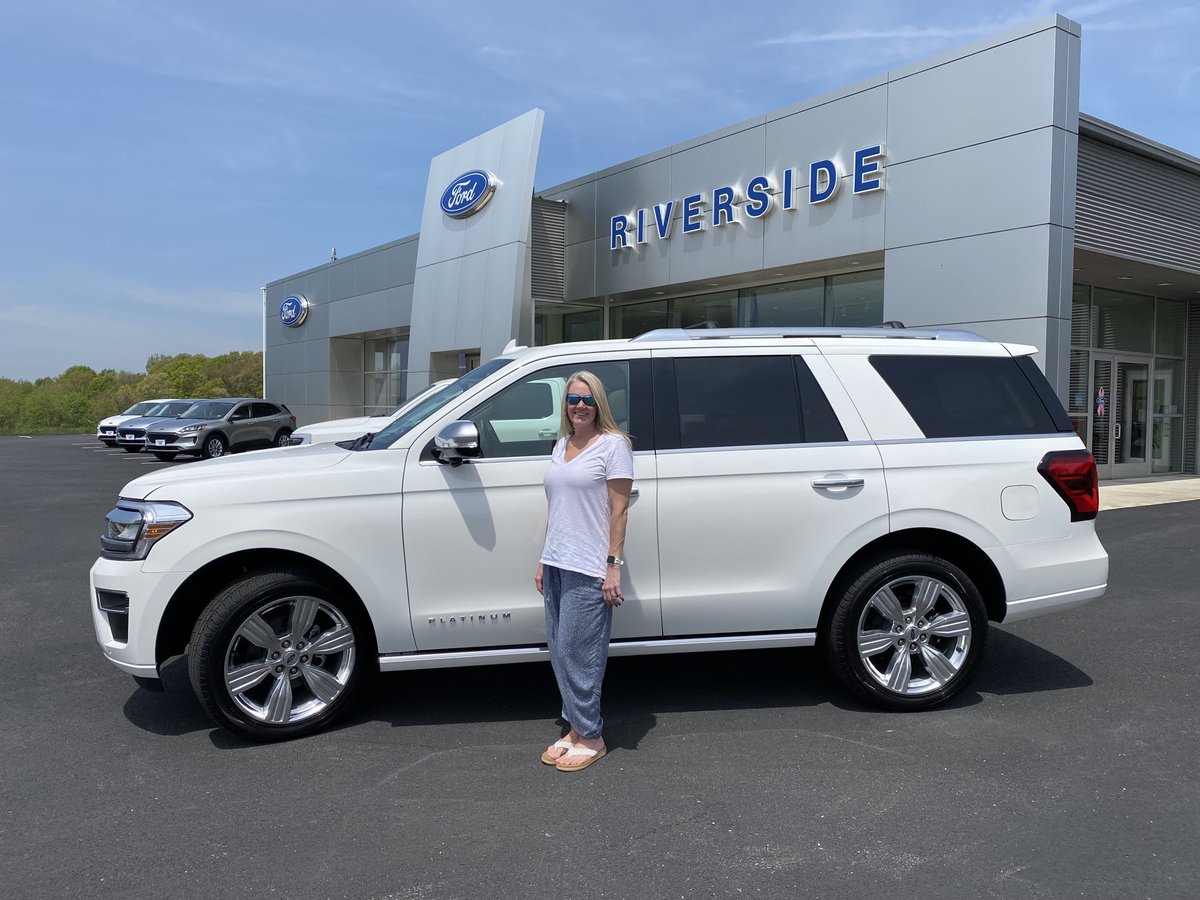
587	492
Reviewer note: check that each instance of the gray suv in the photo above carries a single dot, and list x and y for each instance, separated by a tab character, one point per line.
211	428
131	435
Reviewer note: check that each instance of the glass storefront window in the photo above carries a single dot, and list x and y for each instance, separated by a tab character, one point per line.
855	299
1170	336
630	321
1081	316
1077	399
798	303
719	309
1167	432
584	326
1123	321
385	370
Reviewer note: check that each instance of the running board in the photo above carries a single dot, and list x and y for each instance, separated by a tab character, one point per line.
455	658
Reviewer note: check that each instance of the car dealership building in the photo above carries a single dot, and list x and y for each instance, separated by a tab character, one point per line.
965	191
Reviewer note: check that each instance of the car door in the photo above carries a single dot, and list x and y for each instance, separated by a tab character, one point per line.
268	419
241	426
473	533
763	489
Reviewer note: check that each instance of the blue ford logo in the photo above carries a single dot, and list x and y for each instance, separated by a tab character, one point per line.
293	311
468	193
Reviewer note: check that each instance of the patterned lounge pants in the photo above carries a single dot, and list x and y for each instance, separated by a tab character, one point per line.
578	629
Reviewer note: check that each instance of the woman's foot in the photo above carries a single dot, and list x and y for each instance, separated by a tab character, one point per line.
585	752
559	748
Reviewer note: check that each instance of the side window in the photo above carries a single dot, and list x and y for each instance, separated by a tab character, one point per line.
737	401
265	410
817	418
966	396
241	413
523	419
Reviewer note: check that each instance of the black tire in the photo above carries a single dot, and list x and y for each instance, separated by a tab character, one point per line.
165	457
219	644
133	449
281	439
214	445
949	637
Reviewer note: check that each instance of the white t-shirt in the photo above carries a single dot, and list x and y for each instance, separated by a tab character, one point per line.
577	498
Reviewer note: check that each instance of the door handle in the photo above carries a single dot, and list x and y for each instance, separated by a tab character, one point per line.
838	482
633	492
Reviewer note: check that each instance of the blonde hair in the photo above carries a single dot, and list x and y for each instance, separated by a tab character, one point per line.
605	423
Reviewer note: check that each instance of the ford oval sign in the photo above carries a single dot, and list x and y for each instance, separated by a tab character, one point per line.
293	311
468	193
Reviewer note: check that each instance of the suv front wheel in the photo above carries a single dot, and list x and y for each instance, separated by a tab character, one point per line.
277	655
907	632
214	446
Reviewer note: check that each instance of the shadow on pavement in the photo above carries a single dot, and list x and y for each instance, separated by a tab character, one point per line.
637	690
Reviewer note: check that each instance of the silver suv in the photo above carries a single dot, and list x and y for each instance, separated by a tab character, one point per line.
131	435
211	428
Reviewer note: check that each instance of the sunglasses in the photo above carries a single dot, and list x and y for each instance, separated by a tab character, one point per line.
588	399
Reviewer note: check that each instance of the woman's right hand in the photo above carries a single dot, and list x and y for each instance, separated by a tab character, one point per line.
537	579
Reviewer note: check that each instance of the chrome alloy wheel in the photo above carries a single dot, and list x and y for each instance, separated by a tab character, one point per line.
214	447
289	660
914	635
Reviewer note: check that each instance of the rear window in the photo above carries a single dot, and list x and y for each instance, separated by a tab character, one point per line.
971	396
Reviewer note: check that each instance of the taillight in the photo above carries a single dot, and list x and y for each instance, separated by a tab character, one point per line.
1072	473
293	422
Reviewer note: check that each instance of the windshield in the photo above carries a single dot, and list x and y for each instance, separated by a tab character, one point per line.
431	404
206	409
139	409
170	409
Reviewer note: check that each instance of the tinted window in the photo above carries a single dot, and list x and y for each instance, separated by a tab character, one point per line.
735	401
264	410
966	396
524	418
207	409
817	419
241	413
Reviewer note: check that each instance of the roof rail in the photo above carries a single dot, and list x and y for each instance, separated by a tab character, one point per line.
882	331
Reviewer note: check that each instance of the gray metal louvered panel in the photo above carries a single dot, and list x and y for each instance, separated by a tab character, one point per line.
548	236
1191	407
1137	208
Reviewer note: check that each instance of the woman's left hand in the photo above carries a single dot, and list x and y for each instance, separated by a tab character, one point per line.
612	587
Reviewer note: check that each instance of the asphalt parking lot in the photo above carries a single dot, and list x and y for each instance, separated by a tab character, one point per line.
1067	769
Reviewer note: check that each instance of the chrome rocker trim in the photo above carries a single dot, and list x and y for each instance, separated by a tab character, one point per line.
442	659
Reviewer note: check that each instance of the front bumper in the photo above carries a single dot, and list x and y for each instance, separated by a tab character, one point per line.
129	640
172	443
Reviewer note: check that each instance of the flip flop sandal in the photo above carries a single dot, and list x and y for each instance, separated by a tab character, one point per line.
553	760
592	756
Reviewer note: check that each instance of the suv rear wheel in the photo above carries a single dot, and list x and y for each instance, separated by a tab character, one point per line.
277	655
908	631
283	439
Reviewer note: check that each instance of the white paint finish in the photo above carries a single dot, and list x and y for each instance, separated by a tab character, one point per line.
450	286
1048	573
747	543
1007	90
885	417
990	187
1019	502
835	392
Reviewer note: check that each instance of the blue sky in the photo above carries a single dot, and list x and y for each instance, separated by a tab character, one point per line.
163	160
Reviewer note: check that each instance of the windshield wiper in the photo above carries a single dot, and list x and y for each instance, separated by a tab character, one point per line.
359	443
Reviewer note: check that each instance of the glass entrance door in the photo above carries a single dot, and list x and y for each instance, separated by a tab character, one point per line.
1120	414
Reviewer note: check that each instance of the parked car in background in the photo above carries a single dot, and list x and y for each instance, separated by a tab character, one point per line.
131	434
884	494
211	428
106	431
348	429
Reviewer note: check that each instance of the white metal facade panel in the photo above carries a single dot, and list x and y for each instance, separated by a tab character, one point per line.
451	286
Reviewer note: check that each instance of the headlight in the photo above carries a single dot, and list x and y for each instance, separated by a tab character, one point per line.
299	439
137	525
191	429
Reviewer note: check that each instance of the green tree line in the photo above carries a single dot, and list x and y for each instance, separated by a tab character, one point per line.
80	397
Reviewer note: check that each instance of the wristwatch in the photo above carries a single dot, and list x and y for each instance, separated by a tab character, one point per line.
615	561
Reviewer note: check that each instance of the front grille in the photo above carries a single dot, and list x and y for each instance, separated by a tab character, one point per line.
132	434
167	438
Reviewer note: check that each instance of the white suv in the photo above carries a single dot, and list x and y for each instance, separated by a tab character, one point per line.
884	493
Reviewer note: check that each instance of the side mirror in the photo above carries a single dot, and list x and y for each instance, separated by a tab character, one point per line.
456	443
